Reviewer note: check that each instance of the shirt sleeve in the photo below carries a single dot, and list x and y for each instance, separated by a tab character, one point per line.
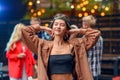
30	37
90	38
11	55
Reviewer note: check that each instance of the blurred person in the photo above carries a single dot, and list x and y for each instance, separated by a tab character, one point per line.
36	20
20	58
95	53
61	58
42	34
73	26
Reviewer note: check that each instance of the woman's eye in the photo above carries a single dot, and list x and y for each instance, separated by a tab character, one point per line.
62	24
55	24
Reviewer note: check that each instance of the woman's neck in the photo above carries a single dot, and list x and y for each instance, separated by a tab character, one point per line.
58	41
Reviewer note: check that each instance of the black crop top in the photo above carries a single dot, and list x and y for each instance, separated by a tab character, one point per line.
61	64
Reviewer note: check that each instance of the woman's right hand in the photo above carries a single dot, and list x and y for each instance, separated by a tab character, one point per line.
21	55
48	30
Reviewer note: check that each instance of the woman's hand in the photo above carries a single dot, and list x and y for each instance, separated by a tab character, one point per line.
73	31
36	68
21	55
77	31
48	30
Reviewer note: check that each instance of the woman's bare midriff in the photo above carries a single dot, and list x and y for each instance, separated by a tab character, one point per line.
61	77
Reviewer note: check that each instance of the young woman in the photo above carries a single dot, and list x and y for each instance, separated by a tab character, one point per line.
20	58
61	58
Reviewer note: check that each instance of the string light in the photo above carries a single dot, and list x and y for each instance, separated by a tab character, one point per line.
79	15
83	6
87	2
35	14
106	8
35	9
85	14
78	6
84	9
95	7
72	6
102	14
30	3
38	1
39	13
43	10
32	10
92	11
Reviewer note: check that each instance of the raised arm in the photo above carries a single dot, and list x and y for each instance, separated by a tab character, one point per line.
90	36
30	37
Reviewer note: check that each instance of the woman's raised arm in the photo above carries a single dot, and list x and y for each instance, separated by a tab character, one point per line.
90	36
30	37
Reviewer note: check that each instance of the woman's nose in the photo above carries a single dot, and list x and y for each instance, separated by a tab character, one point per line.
58	26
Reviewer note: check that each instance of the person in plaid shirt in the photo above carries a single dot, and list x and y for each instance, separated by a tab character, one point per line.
95	53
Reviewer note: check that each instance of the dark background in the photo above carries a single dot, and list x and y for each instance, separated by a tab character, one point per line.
11	9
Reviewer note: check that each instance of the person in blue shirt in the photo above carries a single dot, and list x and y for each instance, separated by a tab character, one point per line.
42	34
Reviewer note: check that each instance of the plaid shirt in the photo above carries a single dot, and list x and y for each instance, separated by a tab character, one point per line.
95	56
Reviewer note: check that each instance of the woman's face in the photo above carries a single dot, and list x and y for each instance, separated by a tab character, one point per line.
59	27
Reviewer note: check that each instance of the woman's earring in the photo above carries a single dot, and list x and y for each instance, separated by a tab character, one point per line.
66	37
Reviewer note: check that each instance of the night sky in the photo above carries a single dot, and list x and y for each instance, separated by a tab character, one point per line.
11	9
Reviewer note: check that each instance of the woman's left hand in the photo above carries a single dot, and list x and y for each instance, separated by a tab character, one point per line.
73	31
